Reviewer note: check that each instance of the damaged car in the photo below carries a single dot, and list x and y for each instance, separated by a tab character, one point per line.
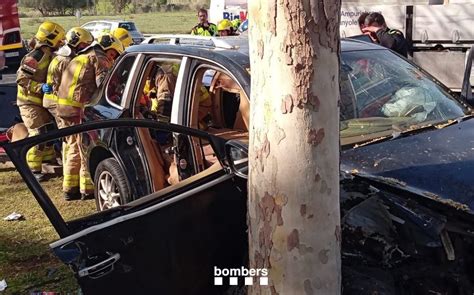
174	195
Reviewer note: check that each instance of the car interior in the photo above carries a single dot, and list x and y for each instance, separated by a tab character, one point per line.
218	106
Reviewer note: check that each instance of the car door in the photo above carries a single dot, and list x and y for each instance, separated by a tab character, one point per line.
166	243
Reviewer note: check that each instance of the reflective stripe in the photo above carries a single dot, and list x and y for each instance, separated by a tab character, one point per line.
86	185
82	60
67	102
50	96
34	158
49	154
70	181
21	95
52	67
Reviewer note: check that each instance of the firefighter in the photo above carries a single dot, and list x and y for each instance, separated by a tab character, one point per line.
204	27
377	29
31	80
236	24
225	28
77	39
123	36
81	78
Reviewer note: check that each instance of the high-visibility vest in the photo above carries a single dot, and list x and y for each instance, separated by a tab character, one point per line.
79	81
53	78
31	75
200	30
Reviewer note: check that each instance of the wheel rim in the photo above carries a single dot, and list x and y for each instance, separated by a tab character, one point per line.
109	195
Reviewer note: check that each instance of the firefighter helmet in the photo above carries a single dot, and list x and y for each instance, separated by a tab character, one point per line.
107	41
78	35
123	36
50	34
224	25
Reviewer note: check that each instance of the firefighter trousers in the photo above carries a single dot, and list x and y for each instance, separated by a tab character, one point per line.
76	177
36	118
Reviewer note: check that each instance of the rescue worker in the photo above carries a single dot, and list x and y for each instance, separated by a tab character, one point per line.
31	80
361	20
236	24
123	36
81	78
161	96
204	27
377	29
77	39
225	28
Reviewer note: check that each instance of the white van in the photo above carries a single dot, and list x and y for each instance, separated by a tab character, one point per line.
227	9
441	32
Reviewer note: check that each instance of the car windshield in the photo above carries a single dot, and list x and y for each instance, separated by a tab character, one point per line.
128	26
382	94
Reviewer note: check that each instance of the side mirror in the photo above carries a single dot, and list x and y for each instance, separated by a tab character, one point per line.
237	157
466	92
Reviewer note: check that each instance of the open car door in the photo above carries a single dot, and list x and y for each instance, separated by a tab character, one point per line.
168	242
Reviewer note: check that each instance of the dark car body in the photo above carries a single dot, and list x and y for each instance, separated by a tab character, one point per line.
406	203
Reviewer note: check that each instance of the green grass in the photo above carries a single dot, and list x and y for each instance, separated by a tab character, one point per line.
26	262
149	23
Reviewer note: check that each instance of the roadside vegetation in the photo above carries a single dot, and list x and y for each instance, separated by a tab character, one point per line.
26	262
149	23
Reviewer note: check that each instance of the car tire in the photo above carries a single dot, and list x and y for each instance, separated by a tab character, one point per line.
111	186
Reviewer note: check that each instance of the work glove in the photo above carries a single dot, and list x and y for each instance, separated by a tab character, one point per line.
46	88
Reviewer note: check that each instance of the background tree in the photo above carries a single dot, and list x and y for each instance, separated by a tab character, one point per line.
294	219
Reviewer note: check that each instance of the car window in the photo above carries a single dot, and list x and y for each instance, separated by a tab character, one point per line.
103	27
381	92
112	167
219	103
128	26
91	27
118	80
154	98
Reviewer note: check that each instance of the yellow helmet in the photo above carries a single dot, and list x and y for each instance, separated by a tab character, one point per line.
107	41
224	24
78	35
123	36
50	33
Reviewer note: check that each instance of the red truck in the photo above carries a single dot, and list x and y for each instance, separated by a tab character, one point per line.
11	44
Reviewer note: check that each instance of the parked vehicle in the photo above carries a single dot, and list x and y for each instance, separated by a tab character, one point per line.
174	198
441	35
105	26
441	32
12	47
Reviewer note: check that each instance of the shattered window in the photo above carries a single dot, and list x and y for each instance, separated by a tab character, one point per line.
381	93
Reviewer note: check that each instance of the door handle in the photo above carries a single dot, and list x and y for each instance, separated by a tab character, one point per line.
100	269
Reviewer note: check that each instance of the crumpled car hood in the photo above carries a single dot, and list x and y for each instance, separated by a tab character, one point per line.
438	164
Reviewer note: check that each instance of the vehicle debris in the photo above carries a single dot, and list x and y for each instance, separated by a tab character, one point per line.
14	216
395	245
3	285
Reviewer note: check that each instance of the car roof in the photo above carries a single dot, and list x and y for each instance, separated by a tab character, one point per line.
240	55
110	21
220	56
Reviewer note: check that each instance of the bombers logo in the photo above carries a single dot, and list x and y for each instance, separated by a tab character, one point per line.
249	276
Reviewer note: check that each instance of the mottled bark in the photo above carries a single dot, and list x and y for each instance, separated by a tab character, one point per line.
294	145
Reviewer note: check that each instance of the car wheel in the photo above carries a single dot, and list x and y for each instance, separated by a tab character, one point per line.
111	186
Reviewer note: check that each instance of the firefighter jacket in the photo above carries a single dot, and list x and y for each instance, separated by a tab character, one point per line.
81	78
55	71
32	74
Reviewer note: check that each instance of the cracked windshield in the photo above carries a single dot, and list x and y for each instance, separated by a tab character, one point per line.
381	95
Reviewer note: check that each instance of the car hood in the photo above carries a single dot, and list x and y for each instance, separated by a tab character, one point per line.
437	164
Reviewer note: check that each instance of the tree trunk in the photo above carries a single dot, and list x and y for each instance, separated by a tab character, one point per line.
294	219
